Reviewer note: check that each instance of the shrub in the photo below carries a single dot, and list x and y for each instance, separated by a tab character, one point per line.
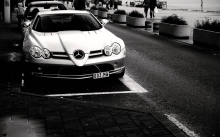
174	19
208	24
94	8
122	12
136	13
103	9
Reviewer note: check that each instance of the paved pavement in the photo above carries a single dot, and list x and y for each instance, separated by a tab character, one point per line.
27	115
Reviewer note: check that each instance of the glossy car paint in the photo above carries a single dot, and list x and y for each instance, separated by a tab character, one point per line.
69	41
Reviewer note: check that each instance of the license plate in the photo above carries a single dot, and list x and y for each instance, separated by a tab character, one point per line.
100	75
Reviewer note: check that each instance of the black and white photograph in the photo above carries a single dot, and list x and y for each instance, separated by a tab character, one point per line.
109	68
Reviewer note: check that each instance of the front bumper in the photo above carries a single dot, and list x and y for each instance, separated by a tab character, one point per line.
74	72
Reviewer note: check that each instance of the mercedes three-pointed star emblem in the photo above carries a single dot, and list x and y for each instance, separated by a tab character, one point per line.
79	54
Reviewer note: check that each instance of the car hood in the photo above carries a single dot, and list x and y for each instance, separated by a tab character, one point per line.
70	41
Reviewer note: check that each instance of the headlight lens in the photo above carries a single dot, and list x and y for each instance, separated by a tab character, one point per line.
37	52
45	53
115	48
108	50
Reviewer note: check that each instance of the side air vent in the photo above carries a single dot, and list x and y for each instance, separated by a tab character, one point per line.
95	53
59	55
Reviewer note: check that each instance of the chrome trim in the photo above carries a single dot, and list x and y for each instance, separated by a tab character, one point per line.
57	76
78	54
60	56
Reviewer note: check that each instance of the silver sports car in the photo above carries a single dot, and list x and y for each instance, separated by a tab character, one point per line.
71	44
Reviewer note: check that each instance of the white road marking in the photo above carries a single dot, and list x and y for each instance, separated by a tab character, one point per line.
126	80
181	126
132	85
87	94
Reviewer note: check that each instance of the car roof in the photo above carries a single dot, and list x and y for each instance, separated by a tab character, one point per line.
45	2
62	12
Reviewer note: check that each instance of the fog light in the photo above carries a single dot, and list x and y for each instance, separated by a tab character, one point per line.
39	68
115	64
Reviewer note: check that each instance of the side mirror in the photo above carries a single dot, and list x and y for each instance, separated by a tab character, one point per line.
104	21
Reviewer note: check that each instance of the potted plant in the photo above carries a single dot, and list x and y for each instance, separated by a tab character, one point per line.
94	10
135	19
174	26
207	33
119	16
102	13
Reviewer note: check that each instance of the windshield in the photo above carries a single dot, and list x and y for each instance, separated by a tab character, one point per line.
66	22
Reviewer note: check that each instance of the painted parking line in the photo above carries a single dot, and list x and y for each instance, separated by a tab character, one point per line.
126	80
132	85
90	94
181	126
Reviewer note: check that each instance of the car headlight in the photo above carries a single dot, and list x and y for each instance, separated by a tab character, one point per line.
45	53
115	48
108	50
37	52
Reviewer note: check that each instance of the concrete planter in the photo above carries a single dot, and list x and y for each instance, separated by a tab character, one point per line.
94	12
102	14
135	22
119	18
206	38
175	31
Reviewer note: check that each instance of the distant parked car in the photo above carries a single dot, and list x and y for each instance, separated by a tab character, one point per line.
40	6
72	44
22	6
26	2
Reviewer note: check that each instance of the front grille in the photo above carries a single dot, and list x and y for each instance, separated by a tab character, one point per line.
74	71
63	55
78	70
59	55
95	53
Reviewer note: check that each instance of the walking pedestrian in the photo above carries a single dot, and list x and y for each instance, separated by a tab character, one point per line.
20	13
96	2
102	1
153	4
111	2
80	4
75	4
146	6
107	4
87	3
116	4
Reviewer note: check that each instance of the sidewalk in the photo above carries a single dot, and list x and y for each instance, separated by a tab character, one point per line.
28	115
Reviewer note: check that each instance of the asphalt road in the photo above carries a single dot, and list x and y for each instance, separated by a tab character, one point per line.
182	81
